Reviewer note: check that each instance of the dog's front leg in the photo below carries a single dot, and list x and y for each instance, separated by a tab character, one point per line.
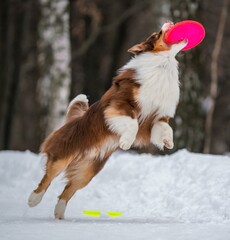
124	126
162	135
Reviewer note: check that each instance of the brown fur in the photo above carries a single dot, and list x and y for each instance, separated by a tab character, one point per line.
76	110
83	144
154	43
143	134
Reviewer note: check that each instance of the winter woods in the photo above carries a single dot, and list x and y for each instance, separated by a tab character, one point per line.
52	50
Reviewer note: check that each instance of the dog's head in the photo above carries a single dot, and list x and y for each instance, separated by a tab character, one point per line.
155	43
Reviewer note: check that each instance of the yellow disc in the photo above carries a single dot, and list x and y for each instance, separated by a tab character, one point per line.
92	213
115	214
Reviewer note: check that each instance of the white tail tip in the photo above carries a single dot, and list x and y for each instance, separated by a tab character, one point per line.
81	98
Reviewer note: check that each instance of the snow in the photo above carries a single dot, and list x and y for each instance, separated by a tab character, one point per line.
179	196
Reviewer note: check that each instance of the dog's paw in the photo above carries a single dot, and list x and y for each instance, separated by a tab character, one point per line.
168	143
59	210
125	143
162	135
35	198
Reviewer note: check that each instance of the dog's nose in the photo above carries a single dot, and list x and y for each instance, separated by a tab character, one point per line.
168	21
167	25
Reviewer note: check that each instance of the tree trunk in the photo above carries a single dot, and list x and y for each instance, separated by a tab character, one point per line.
54	55
5	28
25	128
214	76
14	17
189	117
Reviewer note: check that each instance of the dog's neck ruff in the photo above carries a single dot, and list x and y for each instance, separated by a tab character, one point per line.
157	74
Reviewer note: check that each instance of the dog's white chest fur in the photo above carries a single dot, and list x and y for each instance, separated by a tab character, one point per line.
158	76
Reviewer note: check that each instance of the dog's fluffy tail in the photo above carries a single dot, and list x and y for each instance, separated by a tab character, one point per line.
77	107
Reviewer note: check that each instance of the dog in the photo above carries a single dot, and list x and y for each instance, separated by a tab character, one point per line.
135	111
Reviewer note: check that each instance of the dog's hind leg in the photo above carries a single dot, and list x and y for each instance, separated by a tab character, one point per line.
53	169
71	187
79	176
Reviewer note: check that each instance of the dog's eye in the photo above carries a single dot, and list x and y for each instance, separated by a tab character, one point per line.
149	46
160	32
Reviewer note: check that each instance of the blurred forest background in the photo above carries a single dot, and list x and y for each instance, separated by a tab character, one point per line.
52	50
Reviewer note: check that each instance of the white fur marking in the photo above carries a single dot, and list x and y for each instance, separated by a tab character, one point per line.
166	26
126	127
35	198
175	48
109	145
95	154
78	98
162	135
60	209
157	73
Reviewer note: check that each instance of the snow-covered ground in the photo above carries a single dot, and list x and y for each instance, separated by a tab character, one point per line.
182	196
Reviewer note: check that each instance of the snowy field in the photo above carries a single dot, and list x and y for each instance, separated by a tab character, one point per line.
184	196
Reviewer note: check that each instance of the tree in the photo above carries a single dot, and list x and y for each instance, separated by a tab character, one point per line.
54	63
212	98
19	74
190	116
53	50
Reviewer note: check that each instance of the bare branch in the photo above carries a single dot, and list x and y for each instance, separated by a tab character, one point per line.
92	38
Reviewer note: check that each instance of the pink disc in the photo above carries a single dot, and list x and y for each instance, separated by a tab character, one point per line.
193	31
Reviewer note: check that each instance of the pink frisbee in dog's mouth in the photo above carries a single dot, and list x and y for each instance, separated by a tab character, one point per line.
193	31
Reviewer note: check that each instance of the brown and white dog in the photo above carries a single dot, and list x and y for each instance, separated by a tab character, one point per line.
133	112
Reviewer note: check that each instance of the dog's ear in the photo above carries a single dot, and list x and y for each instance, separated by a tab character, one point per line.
138	48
